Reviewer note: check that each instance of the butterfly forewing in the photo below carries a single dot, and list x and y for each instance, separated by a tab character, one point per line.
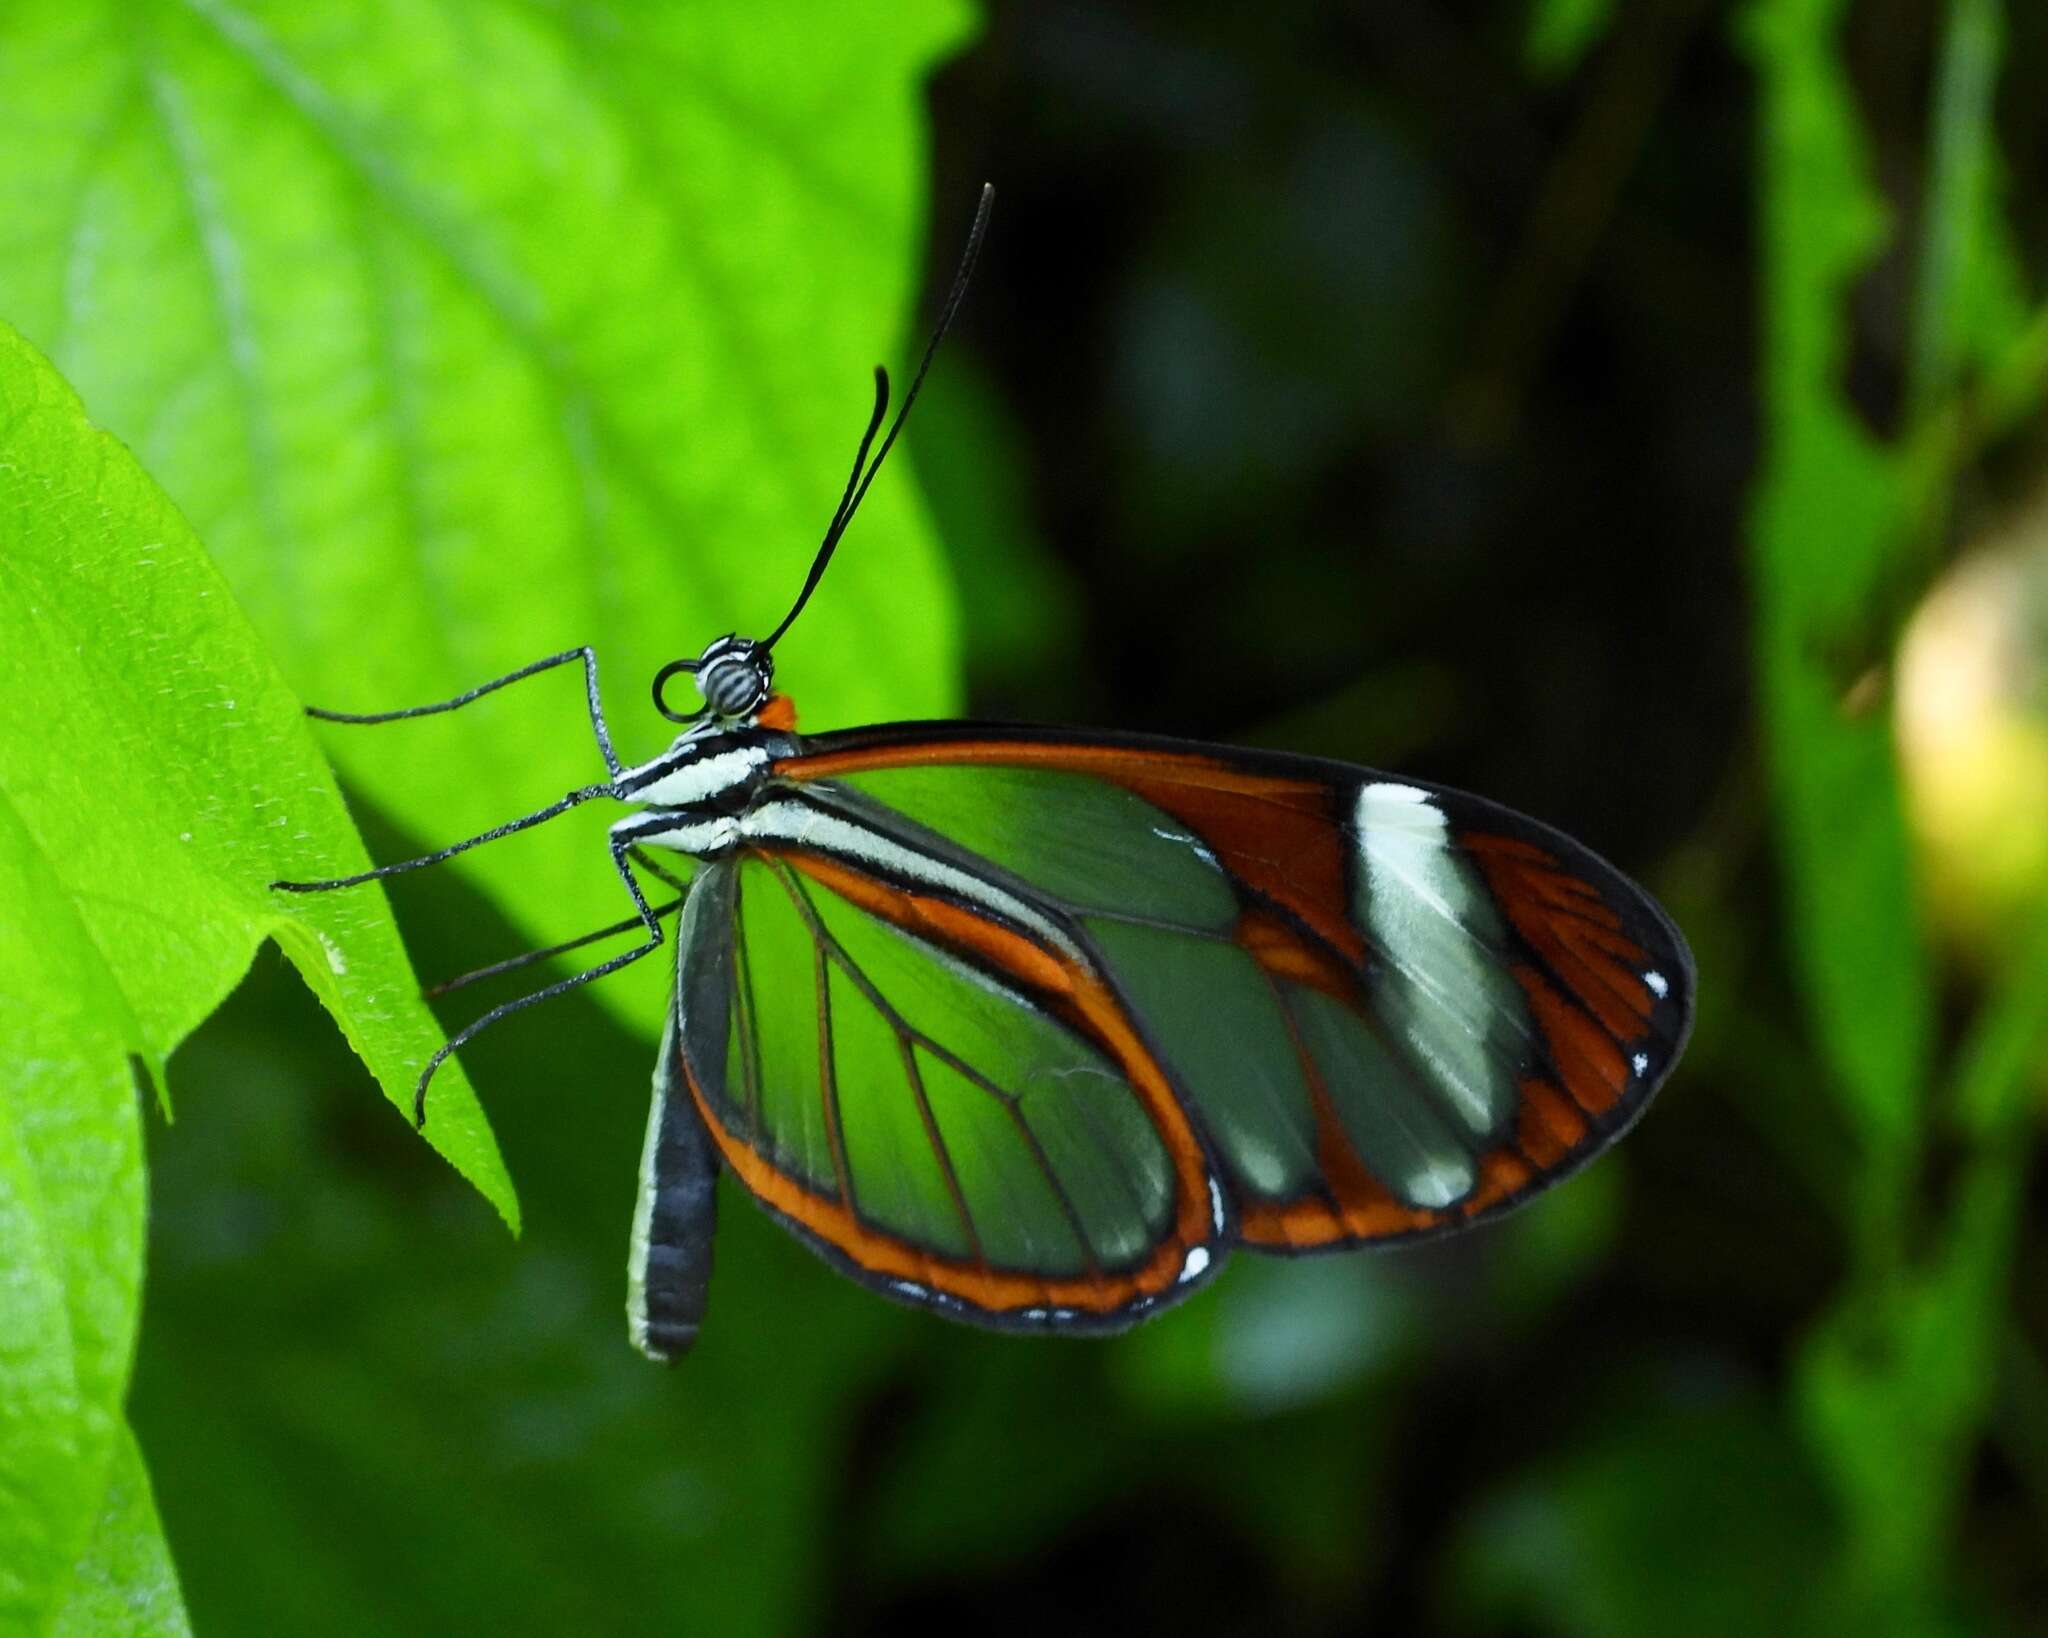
1389	1009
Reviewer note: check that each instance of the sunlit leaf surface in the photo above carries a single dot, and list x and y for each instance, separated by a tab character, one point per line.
155	776
465	333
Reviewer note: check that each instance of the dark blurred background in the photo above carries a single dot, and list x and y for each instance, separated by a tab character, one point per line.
1386	381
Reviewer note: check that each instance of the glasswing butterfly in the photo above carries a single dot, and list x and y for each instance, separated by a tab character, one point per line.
1033	1026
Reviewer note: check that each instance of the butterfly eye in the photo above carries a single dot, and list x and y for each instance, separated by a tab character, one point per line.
735	675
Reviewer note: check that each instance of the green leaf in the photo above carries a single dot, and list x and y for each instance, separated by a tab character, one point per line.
1898	1381
125	1583
1893	1387
1969	295
383	1412
1561	32
1893	1384
155	776
467	331
2000	1060
1712	1499
162	769
70	1218
1830	536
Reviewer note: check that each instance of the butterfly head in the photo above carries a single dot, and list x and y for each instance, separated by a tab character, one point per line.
735	676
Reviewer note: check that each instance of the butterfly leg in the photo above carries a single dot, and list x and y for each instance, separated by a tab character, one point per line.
590	694
621	848
661	873
526	958
525	822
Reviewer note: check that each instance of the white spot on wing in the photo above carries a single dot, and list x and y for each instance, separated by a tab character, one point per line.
1642	1063
1196	1265
1216	1204
1383	802
1438	1183
1659	985
1447	991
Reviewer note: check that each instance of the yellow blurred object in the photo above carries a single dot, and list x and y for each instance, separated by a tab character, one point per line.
1972	704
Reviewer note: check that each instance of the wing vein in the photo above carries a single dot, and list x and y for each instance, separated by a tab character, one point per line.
910	1039
915	1077
1059	1188
907	1041
1575	998
750	1058
1314	1084
828	1079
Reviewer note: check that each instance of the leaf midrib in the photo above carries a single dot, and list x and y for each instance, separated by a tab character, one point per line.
301	95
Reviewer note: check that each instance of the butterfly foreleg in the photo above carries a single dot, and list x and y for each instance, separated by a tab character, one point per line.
525	822
591	698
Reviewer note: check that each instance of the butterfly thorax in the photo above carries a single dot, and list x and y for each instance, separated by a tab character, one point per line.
713	769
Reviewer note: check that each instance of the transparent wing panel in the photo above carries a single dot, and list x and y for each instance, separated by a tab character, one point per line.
890	1152
1222	1026
942	1108
1090	844
783	1010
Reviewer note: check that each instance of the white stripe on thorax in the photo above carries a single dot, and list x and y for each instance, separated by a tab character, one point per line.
700	838
697	779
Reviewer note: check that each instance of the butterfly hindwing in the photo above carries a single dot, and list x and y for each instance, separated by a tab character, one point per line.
954	1114
1390	1009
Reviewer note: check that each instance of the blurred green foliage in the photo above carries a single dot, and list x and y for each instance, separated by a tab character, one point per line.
1896	1377
1382	383
1561	32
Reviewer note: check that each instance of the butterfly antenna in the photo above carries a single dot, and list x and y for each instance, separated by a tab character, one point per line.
863	471
860	458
